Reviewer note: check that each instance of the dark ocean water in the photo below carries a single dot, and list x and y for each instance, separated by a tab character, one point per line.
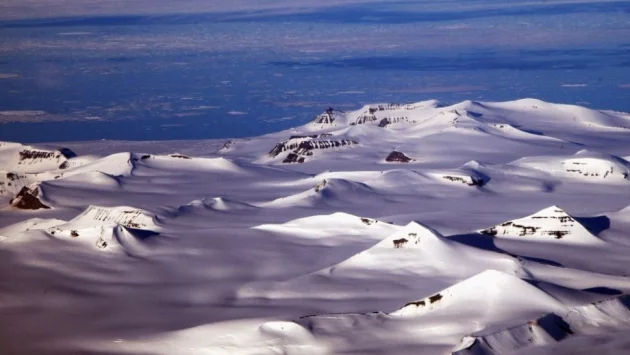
244	74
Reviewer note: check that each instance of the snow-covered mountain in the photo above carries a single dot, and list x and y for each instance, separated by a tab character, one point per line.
550	224
422	228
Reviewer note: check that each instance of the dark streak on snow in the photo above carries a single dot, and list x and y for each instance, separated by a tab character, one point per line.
435	298
474	181
180	156
417	304
368	221
398	243
432	299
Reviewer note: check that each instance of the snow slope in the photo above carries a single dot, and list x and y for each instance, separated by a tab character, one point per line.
551	224
390	229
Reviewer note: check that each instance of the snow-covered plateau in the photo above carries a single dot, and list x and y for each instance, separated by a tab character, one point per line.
487	228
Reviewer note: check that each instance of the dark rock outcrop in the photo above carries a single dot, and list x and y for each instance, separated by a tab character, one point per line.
12	182
390	120
364	118
293	143
28	199
33	154
66	152
293	158
397	157
326	117
392	106
472	181
303	146
322	144
227	146
399	243
27	154
368	221
320	186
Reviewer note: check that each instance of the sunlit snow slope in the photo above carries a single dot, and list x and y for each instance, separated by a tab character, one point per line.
424	228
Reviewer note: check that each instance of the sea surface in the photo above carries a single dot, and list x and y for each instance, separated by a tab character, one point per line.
238	74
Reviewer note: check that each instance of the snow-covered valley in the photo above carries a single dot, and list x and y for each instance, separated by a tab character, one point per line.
421	228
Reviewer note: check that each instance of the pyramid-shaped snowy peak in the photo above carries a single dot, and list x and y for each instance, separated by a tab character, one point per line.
549	224
489	295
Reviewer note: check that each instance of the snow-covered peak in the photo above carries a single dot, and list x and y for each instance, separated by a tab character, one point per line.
591	319
592	165
106	237
494	295
551	224
126	216
327	191
28	159
30	198
416	236
109	228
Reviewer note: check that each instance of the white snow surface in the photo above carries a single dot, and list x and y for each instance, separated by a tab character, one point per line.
507	233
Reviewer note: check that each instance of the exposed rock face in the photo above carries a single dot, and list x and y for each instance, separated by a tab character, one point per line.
227	146
390	120
393	107
429	300
101	243
293	143
319	187
365	118
293	158
368	221
66	152
12	182
32	154
322	144
35	154
549	224
325	118
372	113
398	243
28	199
398	157
303	146
306	148
468	180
